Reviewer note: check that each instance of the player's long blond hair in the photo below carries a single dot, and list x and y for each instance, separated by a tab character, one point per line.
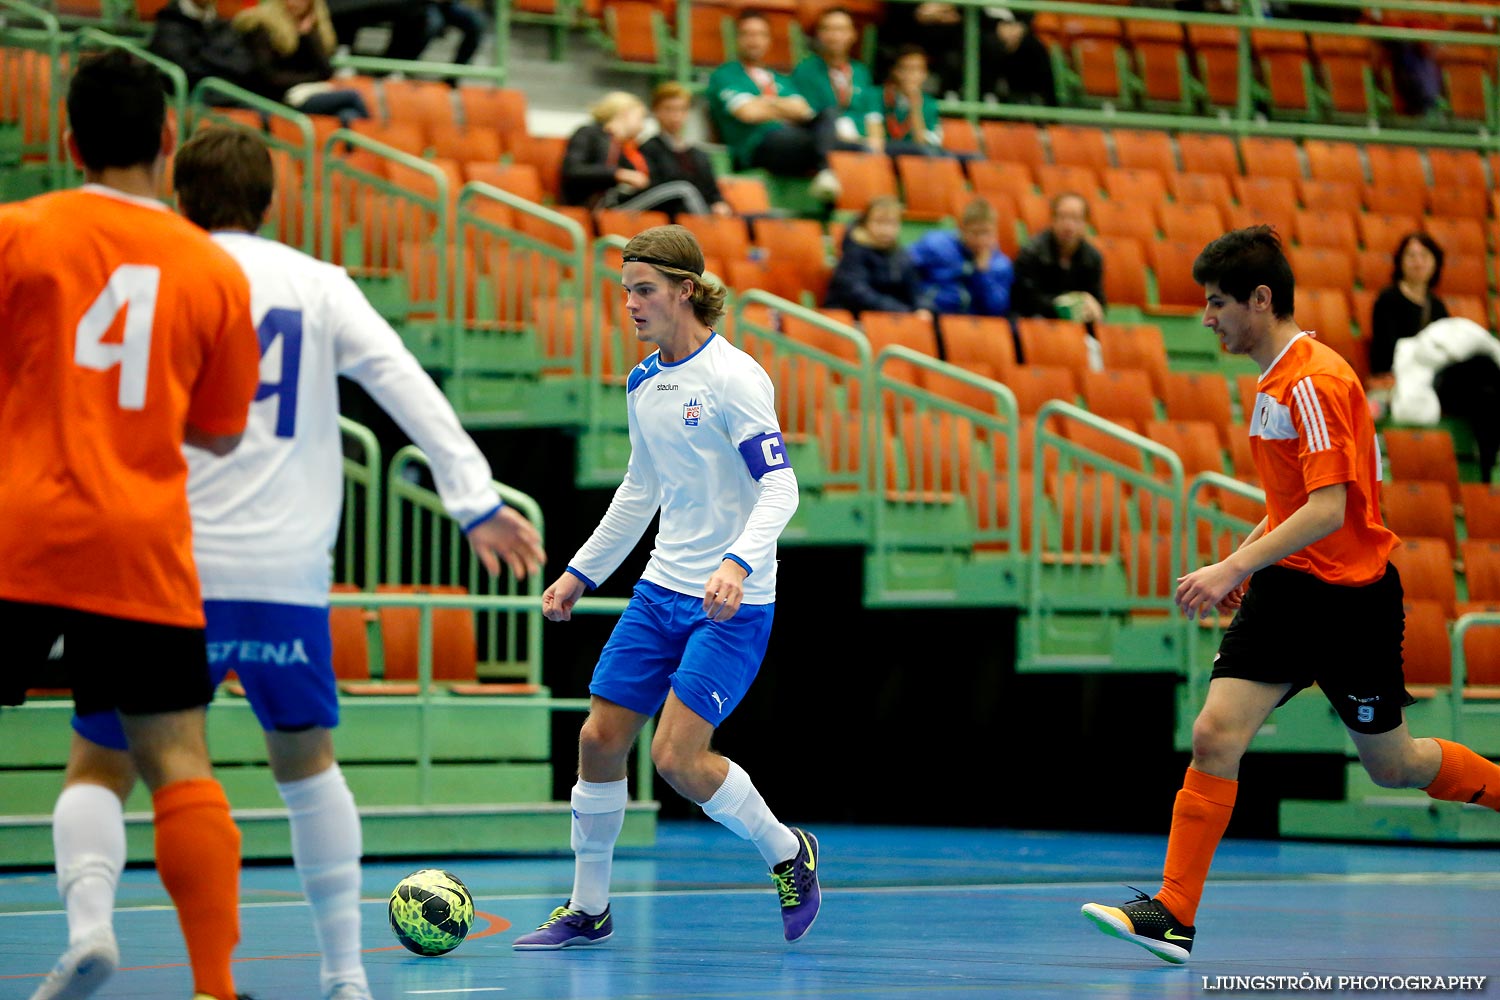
674	251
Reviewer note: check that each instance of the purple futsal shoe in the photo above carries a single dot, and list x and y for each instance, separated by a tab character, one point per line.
567	929
797	885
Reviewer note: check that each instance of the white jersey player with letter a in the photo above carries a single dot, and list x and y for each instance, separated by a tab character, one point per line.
265	519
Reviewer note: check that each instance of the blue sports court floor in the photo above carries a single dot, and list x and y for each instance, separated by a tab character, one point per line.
907	914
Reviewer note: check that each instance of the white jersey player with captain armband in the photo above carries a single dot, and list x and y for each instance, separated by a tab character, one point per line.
266	517
705	450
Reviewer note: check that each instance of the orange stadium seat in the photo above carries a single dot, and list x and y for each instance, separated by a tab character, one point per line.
1001	178
1135	187
546	155
1414	508
746	195
1206	154
499	109
1013	141
454	646
1210	188
1426	651
1284	63
1426	571
1465	275
1124	269
1270	157
1160	59
1396	166
427	104
719	236
1119	395
1142	150
1384	232
862	178
791	240
1319	267
1216	52
1457	236
1121	218
983	344
1481	502
887	329
1189	222
1333	161
1058	179
1199	396
1137	346
1329	196
929	184
1172	263
1422	455
1196	443
1329	228
1034	385
1481	645
1481	568
1345	63
1078	146
465	145
959	135
1056	342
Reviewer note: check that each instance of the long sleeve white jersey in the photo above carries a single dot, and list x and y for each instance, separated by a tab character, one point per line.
265	517
705	448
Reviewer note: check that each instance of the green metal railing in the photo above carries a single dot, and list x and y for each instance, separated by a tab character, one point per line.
32	84
429	695
424	547
520	297
372	215
945	449
1242	119
357	561
1209	534
1461	629
823	375
289	135
1118	501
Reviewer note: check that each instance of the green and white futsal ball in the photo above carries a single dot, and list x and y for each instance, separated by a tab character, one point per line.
431	911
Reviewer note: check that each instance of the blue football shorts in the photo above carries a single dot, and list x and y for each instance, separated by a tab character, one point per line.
282	654
664	641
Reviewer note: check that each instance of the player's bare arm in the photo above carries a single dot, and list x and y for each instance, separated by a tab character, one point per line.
1204	589
724	591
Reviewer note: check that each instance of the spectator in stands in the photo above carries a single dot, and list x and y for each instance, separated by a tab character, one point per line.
1021	70
761	117
290	42
833	81
201	42
1059	273
1407	304
1468	389
937	29
604	167
965	271
445	14
407	20
911	114
874	272
670	157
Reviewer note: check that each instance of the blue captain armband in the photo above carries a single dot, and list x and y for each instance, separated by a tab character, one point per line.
765	453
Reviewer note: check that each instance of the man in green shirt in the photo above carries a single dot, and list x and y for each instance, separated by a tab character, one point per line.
762	118
833	81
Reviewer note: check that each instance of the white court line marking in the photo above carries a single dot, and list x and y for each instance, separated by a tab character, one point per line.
470	989
1468	879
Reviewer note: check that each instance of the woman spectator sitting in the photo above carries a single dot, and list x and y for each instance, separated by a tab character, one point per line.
1468	389
874	273
290	42
604	167
1407	304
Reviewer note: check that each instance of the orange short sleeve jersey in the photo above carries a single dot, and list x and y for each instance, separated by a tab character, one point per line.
1311	428
120	324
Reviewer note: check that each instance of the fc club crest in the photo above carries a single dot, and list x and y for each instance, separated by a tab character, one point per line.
691	411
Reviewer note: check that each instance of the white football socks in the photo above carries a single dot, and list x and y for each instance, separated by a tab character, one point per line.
598	817
326	846
738	806
88	841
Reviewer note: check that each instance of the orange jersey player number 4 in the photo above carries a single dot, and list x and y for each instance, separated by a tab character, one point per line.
105	365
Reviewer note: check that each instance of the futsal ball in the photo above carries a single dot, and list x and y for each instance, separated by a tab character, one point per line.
431	911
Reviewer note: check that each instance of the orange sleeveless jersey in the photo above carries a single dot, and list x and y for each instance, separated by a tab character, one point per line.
121	324
1311	427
